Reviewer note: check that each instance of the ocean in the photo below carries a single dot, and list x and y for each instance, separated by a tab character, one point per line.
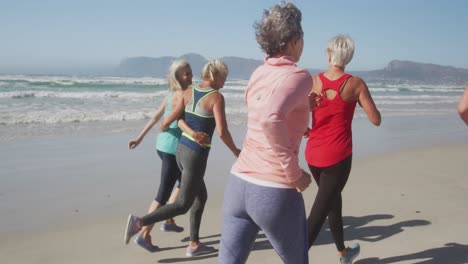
33	106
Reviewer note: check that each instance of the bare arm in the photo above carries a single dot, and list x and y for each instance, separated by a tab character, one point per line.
200	137
176	112
367	103
135	142
463	107
221	125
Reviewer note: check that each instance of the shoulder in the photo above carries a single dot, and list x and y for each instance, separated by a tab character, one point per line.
217	96
357	82
298	75
177	94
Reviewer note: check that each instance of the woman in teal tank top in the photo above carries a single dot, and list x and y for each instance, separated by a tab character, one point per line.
179	79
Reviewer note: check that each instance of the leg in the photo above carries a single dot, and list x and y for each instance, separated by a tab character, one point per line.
170	173
194	166
335	216
196	214
238	231
280	213
331	181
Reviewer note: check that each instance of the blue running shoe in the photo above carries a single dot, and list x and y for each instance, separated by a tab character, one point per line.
351	253
132	228
146	243
171	228
201	249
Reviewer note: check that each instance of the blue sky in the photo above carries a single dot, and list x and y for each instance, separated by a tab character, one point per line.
53	35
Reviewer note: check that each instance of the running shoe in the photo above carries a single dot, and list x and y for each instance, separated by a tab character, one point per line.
351	253
201	249
146	243
171	228
132	227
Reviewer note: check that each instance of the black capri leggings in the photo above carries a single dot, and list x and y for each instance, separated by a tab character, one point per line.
170	173
330	181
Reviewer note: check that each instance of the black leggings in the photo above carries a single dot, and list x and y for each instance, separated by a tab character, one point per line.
192	195
330	181
170	173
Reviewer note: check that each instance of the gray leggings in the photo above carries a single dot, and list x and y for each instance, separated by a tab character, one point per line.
192	192
280	213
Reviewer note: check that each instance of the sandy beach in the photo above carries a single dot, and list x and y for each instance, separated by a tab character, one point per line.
66	199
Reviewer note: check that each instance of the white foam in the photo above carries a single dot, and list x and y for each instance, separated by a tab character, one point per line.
71	80
82	95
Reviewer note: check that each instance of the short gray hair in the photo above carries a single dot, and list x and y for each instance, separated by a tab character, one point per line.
172	80
214	69
280	24
341	50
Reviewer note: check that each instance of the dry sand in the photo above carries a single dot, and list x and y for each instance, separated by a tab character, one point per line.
68	203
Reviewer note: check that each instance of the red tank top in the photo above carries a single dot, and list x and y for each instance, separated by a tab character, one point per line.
330	139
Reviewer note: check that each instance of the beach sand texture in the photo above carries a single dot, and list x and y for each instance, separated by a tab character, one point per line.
66	200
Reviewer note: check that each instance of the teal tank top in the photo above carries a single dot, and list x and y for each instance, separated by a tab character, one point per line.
168	140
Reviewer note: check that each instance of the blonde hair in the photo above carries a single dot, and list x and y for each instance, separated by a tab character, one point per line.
214	69
341	49
172	77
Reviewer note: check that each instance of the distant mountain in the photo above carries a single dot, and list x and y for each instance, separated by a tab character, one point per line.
239	68
413	72
396	71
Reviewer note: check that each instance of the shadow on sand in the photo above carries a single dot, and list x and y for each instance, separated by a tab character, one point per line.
196	258
450	253
355	229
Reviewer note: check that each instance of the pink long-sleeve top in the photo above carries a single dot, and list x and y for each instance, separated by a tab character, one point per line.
278	114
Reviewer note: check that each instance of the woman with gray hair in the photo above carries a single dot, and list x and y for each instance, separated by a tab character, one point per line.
329	147
265	184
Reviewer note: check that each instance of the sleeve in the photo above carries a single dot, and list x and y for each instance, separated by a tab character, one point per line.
284	99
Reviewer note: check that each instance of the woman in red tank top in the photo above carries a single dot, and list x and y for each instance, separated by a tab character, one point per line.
329	147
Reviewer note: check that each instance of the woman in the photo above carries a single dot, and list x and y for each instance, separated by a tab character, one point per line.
204	111
263	190
329	147
179	79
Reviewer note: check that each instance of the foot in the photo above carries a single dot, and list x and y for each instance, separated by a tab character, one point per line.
168	227
200	249
350	254
145	242
133	227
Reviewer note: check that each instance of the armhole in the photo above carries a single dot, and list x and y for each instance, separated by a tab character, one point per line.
343	85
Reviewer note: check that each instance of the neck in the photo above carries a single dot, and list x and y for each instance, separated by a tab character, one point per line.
335	69
206	84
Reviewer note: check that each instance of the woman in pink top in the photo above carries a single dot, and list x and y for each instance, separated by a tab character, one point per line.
263	190
329	148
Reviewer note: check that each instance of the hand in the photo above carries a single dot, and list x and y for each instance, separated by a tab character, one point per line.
201	138
303	182
133	143
315	99
306	133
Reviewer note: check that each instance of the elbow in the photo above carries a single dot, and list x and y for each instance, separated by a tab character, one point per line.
377	119
462	109
268	122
